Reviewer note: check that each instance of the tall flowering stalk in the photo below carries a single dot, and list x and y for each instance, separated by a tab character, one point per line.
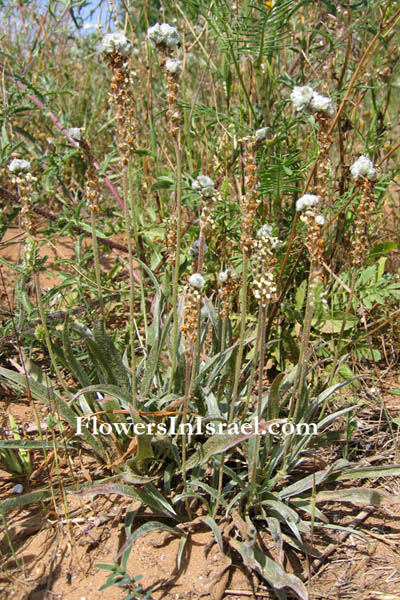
249	203
166	39
307	207
364	174
93	196
264	290
116	49
22	177
306	99
229	282
204	185
24	180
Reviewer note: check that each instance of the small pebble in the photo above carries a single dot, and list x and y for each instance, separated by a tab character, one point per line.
18	489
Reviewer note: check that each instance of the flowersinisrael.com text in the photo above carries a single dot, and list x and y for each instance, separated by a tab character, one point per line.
256	427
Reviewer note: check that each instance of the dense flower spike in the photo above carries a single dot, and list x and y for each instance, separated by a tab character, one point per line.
305	98
204	185
307	200
365	175
75	133
315	245
264	260
322	104
166	38
18	165
24	180
163	35
115	42
92	185
363	167
228	282
173	65
197	281
301	97
250	201
171	238
116	48
191	313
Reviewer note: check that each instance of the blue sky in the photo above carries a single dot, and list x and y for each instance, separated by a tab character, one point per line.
100	11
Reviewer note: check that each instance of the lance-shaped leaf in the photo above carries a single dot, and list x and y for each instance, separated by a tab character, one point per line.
47	395
148	495
357	495
219	443
256	560
28	444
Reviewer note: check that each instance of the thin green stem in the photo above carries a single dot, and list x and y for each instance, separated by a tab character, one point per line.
239	355
134	222
96	260
178	156
47	335
189	380
301	369
261	352
340	338
132	333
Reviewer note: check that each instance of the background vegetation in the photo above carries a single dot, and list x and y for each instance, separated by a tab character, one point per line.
117	329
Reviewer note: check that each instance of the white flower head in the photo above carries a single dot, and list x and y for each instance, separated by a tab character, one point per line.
301	97
363	167
194	249
223	276
197	281
305	98
261	134
115	42
204	185
75	133
307	201
173	65
265	230
163	35
322	104
18	165
275	243
320	220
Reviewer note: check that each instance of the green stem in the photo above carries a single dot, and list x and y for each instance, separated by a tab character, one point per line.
301	369
261	352
134	221
96	261
340	338
189	379
239	355
178	155
132	333
47	335
253	367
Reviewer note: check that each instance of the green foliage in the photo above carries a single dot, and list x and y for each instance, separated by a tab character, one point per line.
133	366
